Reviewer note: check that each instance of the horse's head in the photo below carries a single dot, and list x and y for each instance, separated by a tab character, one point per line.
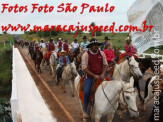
73	69
134	67
54	54
128	98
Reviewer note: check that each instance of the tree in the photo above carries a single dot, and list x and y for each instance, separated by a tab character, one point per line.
4	32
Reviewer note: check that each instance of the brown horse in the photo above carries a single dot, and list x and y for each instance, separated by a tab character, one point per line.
38	59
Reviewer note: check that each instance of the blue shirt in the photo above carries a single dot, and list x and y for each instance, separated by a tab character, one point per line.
60	61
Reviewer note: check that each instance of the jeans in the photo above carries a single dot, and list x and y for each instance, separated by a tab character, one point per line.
87	87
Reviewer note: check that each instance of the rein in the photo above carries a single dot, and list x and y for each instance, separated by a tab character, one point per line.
133	73
125	106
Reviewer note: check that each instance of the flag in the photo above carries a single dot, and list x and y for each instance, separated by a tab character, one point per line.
150	11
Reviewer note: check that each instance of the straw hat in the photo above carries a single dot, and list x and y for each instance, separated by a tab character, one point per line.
63	51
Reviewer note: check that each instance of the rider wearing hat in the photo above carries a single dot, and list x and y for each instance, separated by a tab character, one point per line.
94	65
59	44
104	43
63	61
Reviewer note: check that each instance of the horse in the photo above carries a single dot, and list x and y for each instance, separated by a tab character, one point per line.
37	59
144	64
31	50
44	52
109	93
69	73
53	63
124	70
102	105
153	84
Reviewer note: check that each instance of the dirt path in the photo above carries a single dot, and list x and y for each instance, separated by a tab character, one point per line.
66	103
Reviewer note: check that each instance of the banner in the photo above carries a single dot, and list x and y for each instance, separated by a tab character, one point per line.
152	12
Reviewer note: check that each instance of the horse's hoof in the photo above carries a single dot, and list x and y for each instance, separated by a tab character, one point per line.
64	91
73	95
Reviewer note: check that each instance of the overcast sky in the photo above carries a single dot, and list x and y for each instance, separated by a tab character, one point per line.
119	15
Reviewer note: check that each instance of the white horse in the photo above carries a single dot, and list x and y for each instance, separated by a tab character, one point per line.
109	93
69	74
124	70
53	63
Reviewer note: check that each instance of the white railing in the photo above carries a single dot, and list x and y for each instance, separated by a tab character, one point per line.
26	100
14	97
144	55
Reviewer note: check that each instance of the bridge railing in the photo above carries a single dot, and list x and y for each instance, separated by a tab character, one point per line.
145	55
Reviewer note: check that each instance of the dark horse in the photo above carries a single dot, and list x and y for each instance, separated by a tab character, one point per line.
37	57
144	64
31	49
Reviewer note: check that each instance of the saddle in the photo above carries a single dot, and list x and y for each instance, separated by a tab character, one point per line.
111	69
62	71
94	86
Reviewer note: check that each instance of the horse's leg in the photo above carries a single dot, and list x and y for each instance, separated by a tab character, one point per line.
110	115
50	67
53	73
136	84
72	90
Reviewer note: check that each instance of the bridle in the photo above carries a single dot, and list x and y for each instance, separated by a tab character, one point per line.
131	71
121	93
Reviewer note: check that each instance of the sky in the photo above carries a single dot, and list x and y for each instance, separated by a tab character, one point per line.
119	15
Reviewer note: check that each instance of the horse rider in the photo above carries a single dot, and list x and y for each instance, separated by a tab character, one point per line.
65	46
59	44
42	44
75	45
129	49
36	47
94	65
104	43
109	53
84	44
63	61
51	47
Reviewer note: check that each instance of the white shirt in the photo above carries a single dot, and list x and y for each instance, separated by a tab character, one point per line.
75	45
43	45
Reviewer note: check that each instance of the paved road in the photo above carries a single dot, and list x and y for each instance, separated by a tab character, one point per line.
71	104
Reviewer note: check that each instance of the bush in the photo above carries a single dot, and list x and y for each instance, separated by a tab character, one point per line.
5	110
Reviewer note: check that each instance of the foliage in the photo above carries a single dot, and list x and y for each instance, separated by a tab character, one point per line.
5	110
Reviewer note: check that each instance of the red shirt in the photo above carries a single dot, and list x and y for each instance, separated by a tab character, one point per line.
59	44
109	55
130	51
36	48
65	47
51	47
95	63
64	60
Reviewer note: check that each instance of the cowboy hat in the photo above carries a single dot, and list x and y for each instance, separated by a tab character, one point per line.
106	38
84	37
93	41
63	51
59	38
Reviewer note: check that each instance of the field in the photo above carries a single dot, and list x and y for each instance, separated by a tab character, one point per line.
118	39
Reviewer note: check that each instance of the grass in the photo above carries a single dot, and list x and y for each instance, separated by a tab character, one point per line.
5	67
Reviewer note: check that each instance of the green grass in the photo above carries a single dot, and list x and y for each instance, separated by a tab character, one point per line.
6	67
